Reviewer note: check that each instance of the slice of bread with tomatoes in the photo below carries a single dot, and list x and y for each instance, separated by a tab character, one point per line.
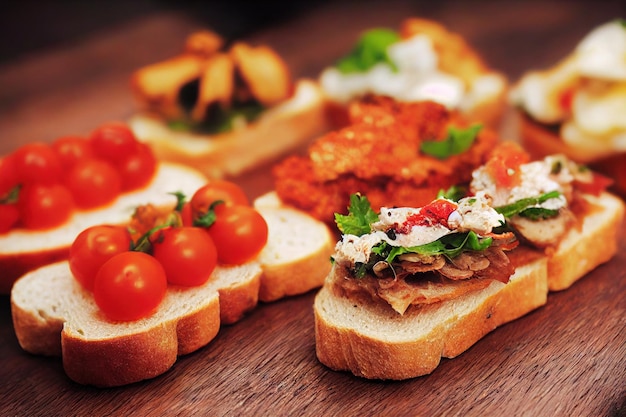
32	242
53	314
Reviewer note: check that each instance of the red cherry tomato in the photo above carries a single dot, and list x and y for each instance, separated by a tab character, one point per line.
9	216
129	286
216	190
187	254
93	183
137	168
8	175
72	149
239	233
44	206
93	247
37	163
113	141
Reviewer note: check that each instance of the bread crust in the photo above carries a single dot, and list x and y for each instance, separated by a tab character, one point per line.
388	348
585	248
279	130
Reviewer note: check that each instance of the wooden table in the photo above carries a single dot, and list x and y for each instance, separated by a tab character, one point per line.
567	358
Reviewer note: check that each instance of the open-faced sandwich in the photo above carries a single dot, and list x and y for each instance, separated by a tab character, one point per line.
411	285
130	300
556	206
421	61
50	192
224	109
396	153
577	107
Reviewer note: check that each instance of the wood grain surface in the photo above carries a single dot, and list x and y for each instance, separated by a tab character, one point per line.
567	358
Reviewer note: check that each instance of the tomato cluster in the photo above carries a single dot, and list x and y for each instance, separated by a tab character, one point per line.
129	270
42	184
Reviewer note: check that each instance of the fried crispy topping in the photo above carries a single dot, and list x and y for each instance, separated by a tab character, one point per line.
187	87
378	154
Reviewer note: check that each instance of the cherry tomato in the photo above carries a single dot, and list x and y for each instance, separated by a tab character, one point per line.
129	286
137	168
37	163
239	233
44	206
226	191
93	247
72	149
9	216
93	183
113	141
187	254
8	175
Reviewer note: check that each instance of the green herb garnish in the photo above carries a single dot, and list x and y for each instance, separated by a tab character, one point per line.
457	142
454	193
370	50
524	207
359	219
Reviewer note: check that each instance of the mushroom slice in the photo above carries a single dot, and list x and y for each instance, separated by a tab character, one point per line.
203	43
216	85
264	73
157	85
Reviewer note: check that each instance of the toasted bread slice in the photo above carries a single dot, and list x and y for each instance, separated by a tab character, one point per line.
373	341
23	250
54	315
595	243
278	130
296	258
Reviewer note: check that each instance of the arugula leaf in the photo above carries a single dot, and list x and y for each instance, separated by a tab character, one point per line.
622	22
450	245
457	142
522	206
360	217
370	50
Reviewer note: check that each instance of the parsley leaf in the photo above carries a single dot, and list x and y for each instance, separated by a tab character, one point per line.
360	217
457	142
370	50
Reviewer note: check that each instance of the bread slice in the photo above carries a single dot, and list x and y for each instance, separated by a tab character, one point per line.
279	130
296	258
595	243
54	315
22	250
373	341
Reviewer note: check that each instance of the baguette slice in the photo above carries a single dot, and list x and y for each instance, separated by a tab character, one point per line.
24	250
280	129
372	341
595	243
54	315
296	258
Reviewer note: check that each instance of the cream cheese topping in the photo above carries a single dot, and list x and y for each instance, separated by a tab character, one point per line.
536	178
417	78
595	76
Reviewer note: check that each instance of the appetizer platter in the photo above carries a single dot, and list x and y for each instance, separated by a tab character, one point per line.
537	329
